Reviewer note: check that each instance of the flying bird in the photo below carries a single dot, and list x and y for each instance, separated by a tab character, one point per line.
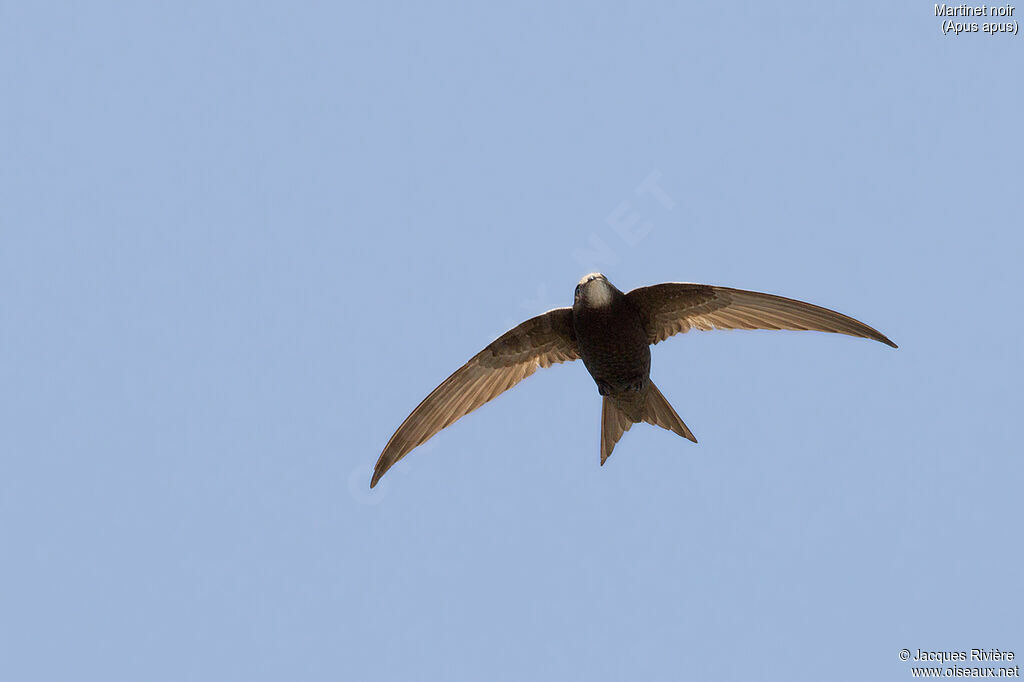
612	333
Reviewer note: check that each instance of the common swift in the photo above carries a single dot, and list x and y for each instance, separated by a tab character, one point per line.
612	333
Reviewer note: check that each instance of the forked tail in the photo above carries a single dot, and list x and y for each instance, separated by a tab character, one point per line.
654	409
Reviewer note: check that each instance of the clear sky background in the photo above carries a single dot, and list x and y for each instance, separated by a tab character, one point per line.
239	242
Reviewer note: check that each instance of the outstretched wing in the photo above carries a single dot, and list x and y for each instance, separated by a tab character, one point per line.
675	307
539	342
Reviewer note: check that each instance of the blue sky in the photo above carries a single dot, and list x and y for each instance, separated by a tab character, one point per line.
239	242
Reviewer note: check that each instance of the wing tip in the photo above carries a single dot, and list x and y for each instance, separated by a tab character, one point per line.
885	339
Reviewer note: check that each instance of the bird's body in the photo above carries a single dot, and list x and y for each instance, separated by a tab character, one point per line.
612	333
614	346
612	342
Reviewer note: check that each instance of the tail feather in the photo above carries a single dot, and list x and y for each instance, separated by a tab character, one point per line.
614	423
656	410
660	413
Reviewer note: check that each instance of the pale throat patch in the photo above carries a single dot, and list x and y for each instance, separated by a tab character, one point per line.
599	294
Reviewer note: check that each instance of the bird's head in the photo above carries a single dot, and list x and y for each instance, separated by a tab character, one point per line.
595	290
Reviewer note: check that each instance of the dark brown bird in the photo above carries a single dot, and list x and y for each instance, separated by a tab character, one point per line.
612	333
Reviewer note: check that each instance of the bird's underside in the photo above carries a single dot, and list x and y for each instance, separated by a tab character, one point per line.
611	332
